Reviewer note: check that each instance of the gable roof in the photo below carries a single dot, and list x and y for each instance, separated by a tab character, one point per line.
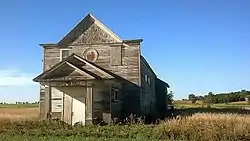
76	62
82	26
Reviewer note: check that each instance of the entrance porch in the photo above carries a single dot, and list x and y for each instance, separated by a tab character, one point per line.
79	91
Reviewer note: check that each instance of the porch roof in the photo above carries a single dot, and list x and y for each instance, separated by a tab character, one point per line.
75	67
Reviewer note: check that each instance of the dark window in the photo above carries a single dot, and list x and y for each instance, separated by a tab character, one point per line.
115	93
64	53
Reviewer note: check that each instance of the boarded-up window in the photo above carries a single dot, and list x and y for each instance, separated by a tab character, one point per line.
116	55
57	103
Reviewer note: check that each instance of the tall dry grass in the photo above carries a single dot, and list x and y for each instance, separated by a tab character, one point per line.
18	113
198	127
214	127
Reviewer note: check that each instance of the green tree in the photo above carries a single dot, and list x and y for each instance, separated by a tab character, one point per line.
192	98
170	96
248	99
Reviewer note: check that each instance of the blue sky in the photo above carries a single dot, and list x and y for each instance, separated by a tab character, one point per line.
197	46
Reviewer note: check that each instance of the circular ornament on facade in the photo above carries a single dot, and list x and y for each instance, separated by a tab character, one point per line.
91	54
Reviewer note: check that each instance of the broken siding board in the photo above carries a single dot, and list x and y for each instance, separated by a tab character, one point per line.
57	105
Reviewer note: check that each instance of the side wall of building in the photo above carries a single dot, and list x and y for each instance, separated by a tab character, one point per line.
161	98
147	88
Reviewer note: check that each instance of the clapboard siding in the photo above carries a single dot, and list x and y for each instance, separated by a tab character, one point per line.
101	102
129	68
41	101
56	103
131	102
148	87
50	58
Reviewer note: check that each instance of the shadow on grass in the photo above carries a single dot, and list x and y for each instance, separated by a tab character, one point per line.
191	111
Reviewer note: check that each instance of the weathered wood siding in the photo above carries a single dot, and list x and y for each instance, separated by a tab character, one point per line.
148	88
129	63
94	34
116	106
50	58
130	100
41	102
67	110
161	98
56	103
101	102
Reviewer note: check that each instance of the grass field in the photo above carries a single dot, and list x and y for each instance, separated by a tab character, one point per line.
22	124
29	105
200	104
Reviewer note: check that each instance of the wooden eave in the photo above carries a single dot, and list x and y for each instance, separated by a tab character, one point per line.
67	62
123	43
46	75
133	41
49	45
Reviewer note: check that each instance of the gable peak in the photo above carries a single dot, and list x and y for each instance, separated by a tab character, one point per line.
82	26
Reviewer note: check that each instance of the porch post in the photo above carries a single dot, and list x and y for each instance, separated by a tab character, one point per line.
89	105
47	102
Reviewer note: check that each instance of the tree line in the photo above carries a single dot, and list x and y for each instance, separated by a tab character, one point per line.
242	95
21	102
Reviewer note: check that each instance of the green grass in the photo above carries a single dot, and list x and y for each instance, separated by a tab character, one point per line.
55	138
29	105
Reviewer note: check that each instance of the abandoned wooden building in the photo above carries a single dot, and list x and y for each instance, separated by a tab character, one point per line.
93	74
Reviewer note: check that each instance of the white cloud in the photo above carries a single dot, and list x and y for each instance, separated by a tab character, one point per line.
15	78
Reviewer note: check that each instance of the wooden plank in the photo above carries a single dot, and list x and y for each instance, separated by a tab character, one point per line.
68	84
67	110
56	93
57	100
57	105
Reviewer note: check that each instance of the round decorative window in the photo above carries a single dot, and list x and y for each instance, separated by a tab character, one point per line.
91	54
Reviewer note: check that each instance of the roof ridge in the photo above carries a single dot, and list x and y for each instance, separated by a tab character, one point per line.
105	27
